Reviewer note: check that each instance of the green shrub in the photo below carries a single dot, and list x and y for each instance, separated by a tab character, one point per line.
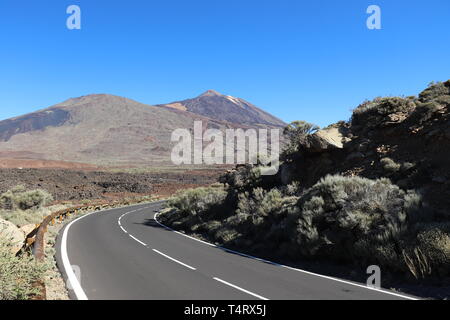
390	166
197	202
339	211
371	114
17	274
258	204
19	198
434	243
435	90
296	132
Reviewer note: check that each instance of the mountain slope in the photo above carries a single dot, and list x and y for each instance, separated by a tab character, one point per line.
100	129
218	106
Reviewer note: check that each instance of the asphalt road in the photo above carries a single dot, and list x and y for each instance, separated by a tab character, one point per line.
126	254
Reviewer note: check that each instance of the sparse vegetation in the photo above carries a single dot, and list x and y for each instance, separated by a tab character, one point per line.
22	207
329	212
346	219
371	114
18	198
435	90
18	274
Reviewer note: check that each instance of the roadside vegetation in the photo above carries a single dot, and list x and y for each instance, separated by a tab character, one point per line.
18	274
24	207
317	209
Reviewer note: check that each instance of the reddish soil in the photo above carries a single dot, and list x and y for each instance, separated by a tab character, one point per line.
9	163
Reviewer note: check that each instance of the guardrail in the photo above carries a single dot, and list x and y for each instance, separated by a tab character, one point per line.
35	240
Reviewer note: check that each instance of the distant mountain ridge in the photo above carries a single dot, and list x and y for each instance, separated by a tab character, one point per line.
215	105
104	129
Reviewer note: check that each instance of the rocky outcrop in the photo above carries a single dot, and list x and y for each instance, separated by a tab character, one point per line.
325	140
27	229
13	234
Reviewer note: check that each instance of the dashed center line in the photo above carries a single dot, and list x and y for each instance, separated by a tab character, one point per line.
175	260
179	262
240	289
136	239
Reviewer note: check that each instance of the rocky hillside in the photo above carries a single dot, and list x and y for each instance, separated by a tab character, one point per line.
374	190
214	105
404	139
111	130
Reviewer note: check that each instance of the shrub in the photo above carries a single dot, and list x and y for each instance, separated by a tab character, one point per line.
17	274
297	132
19	198
197	202
434	243
373	113
390	166
292	189
244	177
435	90
258	205
338	212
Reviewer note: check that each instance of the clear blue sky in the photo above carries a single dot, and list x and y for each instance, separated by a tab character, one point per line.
309	60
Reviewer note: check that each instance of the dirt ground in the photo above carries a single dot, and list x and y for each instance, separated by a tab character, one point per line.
68	185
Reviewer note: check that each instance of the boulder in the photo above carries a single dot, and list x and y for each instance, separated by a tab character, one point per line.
326	139
27	229
13	234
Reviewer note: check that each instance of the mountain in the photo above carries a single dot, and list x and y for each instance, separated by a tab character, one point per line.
214	105
105	129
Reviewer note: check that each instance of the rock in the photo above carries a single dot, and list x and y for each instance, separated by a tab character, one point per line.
27	229
397	117
325	139
10	232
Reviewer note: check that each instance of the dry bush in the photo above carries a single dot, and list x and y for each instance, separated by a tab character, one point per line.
375	113
17	274
20	199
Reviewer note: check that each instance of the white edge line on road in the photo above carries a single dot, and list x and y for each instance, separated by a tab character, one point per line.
175	260
125	231
71	277
183	234
240	289
287	267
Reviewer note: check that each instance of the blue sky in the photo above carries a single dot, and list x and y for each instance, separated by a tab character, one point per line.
309	60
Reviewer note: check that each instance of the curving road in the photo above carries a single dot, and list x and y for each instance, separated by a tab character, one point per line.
126	254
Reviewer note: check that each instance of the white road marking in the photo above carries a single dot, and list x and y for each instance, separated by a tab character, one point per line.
175	260
241	289
183	234
71	277
287	267
125	231
136	239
